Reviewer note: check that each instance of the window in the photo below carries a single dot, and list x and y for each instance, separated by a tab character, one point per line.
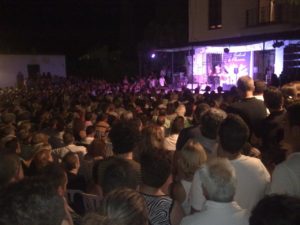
214	14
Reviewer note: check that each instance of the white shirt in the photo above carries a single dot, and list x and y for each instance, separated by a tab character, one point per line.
217	213
170	142
61	152
286	176
252	182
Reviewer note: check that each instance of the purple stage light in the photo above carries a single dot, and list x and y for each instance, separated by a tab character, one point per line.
153	55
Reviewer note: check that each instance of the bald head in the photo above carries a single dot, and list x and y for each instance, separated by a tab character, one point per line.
245	84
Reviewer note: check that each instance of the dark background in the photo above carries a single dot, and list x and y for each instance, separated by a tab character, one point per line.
95	35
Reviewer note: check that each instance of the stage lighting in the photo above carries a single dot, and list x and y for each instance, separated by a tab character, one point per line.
278	44
153	55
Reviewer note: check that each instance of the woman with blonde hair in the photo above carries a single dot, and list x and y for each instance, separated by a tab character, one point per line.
188	160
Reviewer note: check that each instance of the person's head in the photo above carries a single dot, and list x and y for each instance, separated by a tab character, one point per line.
56	175
90	131
211	121
68	138
233	134
70	161
292	126
121	207
10	169
260	87
152	136
218	180
180	110
120	173
273	98
199	112
276	210
31	201
11	144
97	149
123	137
42	157
155	167
38	138
191	157
245	85
177	125
127	115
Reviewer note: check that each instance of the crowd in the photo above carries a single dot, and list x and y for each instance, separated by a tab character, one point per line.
150	155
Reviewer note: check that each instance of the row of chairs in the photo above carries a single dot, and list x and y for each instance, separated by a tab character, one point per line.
91	203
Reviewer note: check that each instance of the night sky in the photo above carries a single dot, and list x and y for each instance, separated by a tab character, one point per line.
71	27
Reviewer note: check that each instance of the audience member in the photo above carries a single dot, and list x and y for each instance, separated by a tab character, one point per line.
276	210
286	175
219	186
210	123
176	126
120	207
194	131
189	159
252	110
156	171
31	201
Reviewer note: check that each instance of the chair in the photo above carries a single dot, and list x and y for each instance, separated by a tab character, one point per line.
91	202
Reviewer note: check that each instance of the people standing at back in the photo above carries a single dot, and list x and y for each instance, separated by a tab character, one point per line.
286	175
252	110
252	176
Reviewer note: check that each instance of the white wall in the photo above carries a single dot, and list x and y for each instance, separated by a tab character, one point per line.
11	65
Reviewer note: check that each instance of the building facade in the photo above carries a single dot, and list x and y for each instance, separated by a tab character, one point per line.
231	38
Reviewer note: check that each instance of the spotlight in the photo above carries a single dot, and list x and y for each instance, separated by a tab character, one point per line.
226	50
278	44
153	55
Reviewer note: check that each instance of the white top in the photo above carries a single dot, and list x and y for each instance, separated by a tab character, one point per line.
252	182
61	152
186	204
170	142
217	213
286	176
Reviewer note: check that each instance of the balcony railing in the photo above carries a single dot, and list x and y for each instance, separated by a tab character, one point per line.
281	13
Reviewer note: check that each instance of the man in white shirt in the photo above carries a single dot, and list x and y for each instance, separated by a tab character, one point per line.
218	183
286	176
252	176
70	146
